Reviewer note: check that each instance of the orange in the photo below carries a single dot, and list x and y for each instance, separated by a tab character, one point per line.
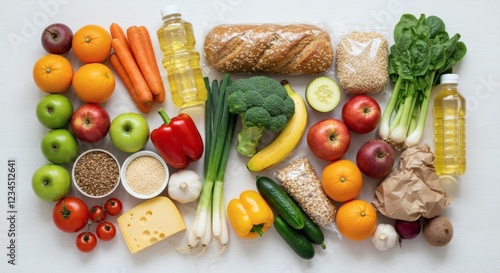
356	220
91	44
53	73
342	180
94	83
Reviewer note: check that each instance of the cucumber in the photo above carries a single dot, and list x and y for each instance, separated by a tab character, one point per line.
313	232
280	201
323	94
294	238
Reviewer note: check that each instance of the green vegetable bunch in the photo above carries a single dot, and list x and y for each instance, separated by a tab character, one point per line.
422	52
263	104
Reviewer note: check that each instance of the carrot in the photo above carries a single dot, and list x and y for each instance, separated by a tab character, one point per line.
115	63
116	31
142	94
143	31
138	48
122	74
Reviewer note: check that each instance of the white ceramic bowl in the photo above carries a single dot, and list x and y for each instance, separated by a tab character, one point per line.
95	171
146	179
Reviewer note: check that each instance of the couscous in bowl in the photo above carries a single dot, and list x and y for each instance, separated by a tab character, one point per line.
144	174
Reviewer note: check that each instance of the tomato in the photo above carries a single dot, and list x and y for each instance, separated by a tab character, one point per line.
97	214
106	231
86	241
113	206
70	214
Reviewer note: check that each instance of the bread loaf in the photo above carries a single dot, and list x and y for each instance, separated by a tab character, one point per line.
269	48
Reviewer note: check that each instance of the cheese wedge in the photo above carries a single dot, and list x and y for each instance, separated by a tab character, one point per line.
150	222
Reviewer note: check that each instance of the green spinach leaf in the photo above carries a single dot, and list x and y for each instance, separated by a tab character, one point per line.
405	24
436	25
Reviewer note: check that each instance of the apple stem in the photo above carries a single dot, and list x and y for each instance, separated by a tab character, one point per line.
53	34
164	116
127	128
381	155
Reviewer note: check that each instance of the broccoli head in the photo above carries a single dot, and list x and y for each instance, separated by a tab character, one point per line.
263	104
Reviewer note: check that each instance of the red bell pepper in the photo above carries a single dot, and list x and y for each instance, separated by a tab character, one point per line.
178	141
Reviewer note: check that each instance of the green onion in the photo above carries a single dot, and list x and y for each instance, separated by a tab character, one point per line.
210	218
423	51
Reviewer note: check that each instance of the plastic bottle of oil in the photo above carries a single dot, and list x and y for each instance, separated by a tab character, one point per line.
449	128
180	59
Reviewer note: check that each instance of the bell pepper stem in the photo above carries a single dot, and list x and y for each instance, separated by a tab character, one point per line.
164	116
258	229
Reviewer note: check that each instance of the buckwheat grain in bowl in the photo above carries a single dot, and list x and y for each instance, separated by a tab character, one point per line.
96	173
144	174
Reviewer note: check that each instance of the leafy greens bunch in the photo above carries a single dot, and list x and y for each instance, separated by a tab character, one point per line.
422	52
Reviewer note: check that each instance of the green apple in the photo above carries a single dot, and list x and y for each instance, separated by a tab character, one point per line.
54	111
59	146
129	132
51	182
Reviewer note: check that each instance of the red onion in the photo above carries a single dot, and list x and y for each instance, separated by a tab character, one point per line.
407	229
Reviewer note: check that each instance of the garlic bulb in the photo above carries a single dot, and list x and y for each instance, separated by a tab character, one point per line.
384	237
184	186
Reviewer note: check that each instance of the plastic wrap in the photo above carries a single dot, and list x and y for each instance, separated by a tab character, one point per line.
269	48
362	61
301	182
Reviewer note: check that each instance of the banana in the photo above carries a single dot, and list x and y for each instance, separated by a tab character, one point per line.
288	138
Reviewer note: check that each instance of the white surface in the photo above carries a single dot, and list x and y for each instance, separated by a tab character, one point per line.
42	248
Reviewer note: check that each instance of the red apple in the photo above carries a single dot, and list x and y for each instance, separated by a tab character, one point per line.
57	38
90	122
375	158
361	114
329	139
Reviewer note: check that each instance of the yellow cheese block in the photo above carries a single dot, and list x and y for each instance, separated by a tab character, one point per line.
150	222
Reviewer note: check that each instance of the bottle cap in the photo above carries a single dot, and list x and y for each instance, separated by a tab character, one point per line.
449	78
169	10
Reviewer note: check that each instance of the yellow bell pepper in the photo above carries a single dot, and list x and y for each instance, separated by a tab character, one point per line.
250	215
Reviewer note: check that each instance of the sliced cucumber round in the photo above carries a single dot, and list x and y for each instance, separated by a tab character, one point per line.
323	94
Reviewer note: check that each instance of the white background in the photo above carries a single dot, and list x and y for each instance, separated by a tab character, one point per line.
42	248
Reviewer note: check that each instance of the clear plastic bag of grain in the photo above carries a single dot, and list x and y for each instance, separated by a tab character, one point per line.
301	182
362	62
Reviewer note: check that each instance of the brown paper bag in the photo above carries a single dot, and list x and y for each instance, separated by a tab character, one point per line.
412	190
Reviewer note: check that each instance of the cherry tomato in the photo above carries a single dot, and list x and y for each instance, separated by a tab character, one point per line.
70	214
86	241
113	206
106	231
97	214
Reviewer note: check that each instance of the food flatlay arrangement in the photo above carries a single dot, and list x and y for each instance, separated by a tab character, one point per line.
288	193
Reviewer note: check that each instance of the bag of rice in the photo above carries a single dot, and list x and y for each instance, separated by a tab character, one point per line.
362	61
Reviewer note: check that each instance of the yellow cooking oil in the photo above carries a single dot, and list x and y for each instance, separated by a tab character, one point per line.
180	59
449	128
